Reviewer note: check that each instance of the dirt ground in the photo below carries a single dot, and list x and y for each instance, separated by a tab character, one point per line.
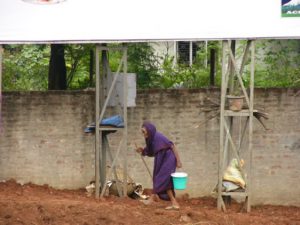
32	205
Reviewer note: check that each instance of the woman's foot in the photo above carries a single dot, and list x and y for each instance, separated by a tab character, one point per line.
172	207
149	201
174	202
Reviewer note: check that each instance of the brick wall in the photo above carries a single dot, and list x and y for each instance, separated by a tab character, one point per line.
43	142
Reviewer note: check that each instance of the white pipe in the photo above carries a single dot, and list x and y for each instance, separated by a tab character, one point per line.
175	54
191	53
206	45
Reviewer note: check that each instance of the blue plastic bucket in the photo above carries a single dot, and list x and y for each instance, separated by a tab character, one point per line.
179	180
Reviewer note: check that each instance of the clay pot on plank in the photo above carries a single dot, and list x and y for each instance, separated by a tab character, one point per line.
235	102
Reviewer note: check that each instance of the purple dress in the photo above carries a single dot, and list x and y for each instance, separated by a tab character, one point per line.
159	147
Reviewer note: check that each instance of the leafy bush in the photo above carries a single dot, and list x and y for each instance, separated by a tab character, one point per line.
25	67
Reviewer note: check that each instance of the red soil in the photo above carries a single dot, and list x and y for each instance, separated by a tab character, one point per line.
31	204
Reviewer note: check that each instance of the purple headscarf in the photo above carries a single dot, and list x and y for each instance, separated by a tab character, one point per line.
155	140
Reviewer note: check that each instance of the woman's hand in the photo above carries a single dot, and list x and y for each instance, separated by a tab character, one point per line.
139	150
178	164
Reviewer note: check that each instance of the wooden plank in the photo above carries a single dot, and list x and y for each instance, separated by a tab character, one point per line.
244	112
235	194
97	136
220	202
110	129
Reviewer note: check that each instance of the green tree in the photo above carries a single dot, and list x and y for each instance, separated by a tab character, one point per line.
25	67
143	61
182	75
57	76
278	63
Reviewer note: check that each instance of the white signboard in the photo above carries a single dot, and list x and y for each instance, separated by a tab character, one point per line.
116	97
81	21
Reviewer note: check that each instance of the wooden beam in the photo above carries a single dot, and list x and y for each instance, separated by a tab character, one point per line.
125	94
102	149
220	202
97	135
251	124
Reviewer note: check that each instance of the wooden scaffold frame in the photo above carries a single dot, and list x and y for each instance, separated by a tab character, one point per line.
101	141
227	144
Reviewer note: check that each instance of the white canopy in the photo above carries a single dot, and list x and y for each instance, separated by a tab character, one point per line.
82	21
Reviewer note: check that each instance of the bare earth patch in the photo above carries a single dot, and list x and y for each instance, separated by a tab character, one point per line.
33	205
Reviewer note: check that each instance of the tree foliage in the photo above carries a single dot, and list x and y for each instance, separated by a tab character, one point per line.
25	67
278	64
181	75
